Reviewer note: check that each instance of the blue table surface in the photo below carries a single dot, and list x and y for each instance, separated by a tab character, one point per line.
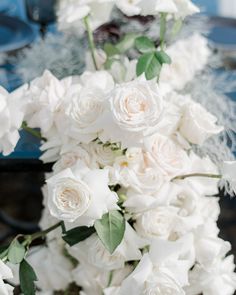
28	146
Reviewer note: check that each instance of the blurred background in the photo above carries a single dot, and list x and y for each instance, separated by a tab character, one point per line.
25	27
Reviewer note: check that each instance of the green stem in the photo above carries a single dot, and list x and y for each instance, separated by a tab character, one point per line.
91	40
163	29
181	177
41	234
32	131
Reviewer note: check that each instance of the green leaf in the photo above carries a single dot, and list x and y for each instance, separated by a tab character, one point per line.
3	251
144	44
163	57
16	252
126	43
111	229
111	49
177	27
27	278
78	234
148	64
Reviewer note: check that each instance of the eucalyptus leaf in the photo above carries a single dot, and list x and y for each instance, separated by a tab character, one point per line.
163	57
148	64
78	234
111	229
27	278
126	43
144	44
16	252
111	49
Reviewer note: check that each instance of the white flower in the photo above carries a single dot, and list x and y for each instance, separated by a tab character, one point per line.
228	171
136	171
159	222
170	158
214	279
102	155
92	251
185	8
84	275
86	109
5	274
135	110
161	271
53	269
72	12
197	124
123	70
193	50
11	117
69	159
82	196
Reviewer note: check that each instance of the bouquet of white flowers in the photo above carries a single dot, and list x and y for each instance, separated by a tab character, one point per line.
130	206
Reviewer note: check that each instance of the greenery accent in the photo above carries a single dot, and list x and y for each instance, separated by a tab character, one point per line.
111	229
77	234
16	252
181	177
91	41
27	278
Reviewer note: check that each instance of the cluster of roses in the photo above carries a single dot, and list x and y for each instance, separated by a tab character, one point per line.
134	202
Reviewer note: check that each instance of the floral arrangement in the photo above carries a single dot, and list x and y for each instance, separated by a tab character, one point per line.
130	206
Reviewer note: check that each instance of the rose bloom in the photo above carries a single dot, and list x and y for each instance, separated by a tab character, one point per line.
159	222
11	117
161	271
81	196
87	106
136	108
193	50
197	124
169	157
135	170
72	12
85	273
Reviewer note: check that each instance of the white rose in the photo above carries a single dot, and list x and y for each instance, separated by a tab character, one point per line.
84	276
123	70
92	251
72	12
5	274
136	110
197	124
87	106
53	269
46	97
161	271
159	222
69	159
83	196
218	278
136	171
11	117
192	50
102	155
169	157
154	7
185	8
